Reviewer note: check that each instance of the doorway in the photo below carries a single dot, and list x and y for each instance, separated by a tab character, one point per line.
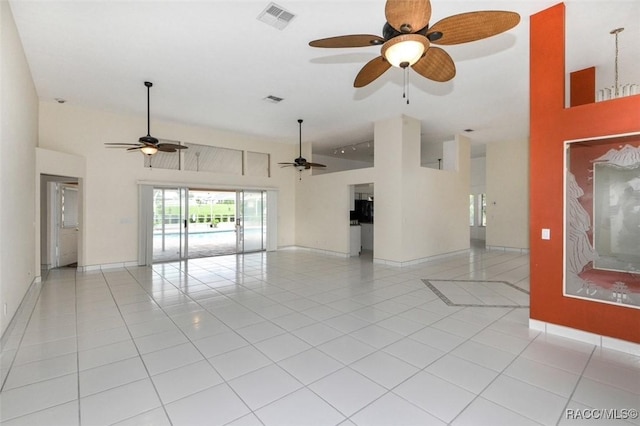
194	223
363	212
59	221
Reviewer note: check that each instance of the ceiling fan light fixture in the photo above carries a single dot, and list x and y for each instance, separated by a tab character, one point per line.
405	50
149	150
300	167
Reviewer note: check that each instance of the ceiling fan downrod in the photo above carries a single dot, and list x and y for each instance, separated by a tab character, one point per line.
300	138
148	84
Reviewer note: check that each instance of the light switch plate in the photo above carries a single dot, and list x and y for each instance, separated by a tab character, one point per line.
546	234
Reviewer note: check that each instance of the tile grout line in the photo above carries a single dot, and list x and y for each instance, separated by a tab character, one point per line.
275	363
106	283
496	378
75	293
190	341
423	369
575	387
19	345
347	334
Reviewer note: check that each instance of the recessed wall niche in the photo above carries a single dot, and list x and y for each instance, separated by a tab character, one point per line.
602	220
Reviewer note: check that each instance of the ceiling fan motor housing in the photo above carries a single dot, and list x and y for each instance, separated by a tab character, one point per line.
148	140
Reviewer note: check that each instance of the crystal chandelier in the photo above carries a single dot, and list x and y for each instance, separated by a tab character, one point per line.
617	90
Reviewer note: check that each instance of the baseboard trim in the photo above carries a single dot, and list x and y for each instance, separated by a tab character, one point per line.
107	266
18	323
315	250
586	337
509	249
419	260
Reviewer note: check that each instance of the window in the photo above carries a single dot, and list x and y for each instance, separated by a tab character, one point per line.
472	210
483	209
69	207
257	164
205	158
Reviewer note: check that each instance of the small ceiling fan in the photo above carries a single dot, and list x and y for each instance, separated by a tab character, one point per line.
148	145
407	39
301	163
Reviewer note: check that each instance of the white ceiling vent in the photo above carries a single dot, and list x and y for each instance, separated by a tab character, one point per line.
276	16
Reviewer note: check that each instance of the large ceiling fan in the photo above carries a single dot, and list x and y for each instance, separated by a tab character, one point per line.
148	145
407	39
301	163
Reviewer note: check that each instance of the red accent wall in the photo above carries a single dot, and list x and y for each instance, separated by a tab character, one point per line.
551	125
583	87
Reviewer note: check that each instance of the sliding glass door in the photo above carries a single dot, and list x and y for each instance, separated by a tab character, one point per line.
195	223
169	239
252	221
211	225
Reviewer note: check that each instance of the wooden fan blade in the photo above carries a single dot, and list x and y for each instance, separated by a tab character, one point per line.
408	16
471	26
134	149
436	65
122	144
355	40
372	70
173	146
309	165
164	148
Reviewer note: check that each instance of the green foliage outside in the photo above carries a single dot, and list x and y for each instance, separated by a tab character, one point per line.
204	213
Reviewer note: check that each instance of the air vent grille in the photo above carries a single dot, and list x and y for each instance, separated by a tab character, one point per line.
276	16
273	99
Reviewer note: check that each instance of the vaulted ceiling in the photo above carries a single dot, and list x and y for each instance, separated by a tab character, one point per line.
213	63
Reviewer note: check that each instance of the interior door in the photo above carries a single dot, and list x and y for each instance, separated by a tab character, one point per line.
67	242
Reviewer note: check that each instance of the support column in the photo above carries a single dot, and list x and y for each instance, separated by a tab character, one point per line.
419	212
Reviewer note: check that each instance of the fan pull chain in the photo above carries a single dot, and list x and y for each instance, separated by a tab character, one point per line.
405	88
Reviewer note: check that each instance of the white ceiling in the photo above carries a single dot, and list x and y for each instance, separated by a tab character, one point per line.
212	63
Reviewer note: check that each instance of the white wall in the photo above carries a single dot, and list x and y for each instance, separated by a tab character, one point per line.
322	209
436	205
419	212
18	139
110	190
508	194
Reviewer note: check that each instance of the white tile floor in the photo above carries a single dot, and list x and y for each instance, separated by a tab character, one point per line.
297	338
